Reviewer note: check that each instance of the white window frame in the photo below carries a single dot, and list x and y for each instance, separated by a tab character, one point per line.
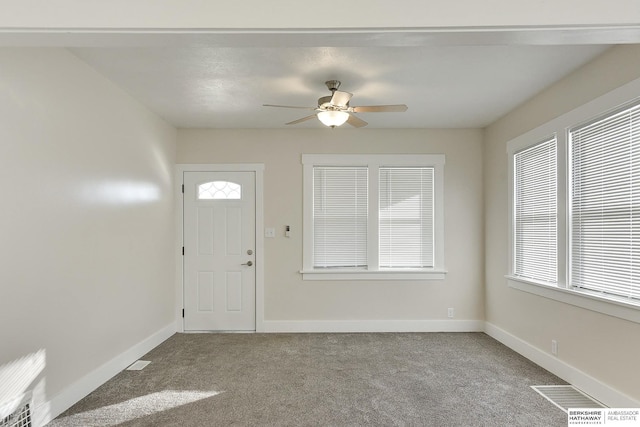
610	102
373	162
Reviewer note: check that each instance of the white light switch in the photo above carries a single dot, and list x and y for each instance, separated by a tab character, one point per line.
270	232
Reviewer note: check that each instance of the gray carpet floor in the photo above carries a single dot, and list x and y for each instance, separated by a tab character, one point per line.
369	379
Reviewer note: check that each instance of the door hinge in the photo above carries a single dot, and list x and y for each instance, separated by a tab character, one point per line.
183	312
182	188
183	251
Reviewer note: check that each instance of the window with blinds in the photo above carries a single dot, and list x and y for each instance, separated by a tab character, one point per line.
535	213
605	204
340	213
373	217
406	217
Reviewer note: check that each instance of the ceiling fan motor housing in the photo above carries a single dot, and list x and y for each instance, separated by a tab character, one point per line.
324	103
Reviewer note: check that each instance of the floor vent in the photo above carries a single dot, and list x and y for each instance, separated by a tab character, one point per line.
19	412
567	396
138	365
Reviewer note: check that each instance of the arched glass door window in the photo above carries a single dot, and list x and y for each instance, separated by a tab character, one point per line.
219	190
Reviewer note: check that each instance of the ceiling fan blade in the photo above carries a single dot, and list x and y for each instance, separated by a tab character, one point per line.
356	122
288	106
304	119
340	99
399	108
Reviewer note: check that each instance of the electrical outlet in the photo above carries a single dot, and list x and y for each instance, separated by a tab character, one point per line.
554	347
450	312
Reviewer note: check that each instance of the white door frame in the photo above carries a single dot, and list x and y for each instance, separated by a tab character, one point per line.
258	168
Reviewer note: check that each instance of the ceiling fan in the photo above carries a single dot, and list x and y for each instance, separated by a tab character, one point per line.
334	110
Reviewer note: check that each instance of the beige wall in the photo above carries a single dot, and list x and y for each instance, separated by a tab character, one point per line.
607	348
86	223
287	296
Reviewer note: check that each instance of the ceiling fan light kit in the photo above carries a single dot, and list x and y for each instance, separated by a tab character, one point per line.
333	118
334	110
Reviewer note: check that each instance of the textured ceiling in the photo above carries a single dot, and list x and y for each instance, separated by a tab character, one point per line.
449	86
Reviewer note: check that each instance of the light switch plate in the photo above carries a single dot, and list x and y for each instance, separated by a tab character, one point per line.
269	232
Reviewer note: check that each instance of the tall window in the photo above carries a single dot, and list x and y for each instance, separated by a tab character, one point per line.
535	212
605	204
340	217
406	217
373	217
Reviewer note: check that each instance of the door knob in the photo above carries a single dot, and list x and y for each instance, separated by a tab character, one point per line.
249	263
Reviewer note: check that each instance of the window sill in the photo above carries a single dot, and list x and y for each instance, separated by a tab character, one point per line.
611	307
373	275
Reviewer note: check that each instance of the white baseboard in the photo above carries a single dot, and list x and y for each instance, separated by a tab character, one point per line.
597	389
373	326
59	403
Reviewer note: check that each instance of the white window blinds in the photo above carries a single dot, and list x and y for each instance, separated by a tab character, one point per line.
406	218
340	217
605	205
535	212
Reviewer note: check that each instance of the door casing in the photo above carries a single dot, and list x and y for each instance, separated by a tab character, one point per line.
258	169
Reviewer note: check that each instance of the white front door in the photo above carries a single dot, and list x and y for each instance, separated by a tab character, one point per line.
219	251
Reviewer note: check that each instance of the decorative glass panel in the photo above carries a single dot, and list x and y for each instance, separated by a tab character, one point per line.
219	190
